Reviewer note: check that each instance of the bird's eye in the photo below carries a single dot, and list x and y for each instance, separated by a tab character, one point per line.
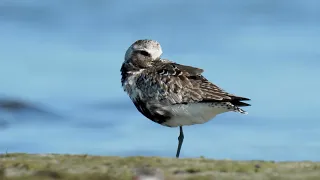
145	53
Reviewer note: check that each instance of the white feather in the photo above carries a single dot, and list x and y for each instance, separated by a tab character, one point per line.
130	85
195	113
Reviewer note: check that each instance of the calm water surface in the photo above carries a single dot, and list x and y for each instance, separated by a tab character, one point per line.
62	59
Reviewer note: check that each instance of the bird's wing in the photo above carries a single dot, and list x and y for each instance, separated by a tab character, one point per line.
173	83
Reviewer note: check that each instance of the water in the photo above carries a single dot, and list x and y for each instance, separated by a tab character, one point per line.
63	59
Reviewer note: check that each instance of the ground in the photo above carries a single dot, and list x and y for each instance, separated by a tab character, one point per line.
83	167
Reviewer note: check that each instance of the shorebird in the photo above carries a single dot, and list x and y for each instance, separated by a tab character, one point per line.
172	94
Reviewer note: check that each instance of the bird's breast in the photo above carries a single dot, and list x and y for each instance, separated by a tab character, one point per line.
130	85
152	111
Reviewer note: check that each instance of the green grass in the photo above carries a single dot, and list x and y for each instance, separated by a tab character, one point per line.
84	167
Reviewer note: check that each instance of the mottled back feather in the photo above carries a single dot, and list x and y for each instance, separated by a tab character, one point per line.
172	83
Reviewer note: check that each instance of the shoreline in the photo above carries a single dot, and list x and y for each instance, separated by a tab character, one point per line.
18	166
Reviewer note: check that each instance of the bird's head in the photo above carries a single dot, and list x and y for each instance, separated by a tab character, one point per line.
142	52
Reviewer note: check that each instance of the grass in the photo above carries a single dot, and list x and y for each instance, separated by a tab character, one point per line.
83	167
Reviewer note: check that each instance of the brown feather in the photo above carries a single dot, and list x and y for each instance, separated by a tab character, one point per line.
184	84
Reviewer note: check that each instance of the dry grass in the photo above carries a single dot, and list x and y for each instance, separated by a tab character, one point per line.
83	167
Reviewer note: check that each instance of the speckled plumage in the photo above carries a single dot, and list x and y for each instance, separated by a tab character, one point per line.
158	85
169	93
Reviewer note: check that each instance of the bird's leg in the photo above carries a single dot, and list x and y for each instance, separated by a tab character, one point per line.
180	138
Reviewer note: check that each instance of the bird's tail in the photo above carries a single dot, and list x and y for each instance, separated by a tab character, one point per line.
237	109
237	103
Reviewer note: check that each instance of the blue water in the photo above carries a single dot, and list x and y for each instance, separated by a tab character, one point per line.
63	59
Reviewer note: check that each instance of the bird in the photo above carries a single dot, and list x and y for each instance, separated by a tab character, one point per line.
172	94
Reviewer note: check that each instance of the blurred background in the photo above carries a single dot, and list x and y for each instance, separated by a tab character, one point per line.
60	89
